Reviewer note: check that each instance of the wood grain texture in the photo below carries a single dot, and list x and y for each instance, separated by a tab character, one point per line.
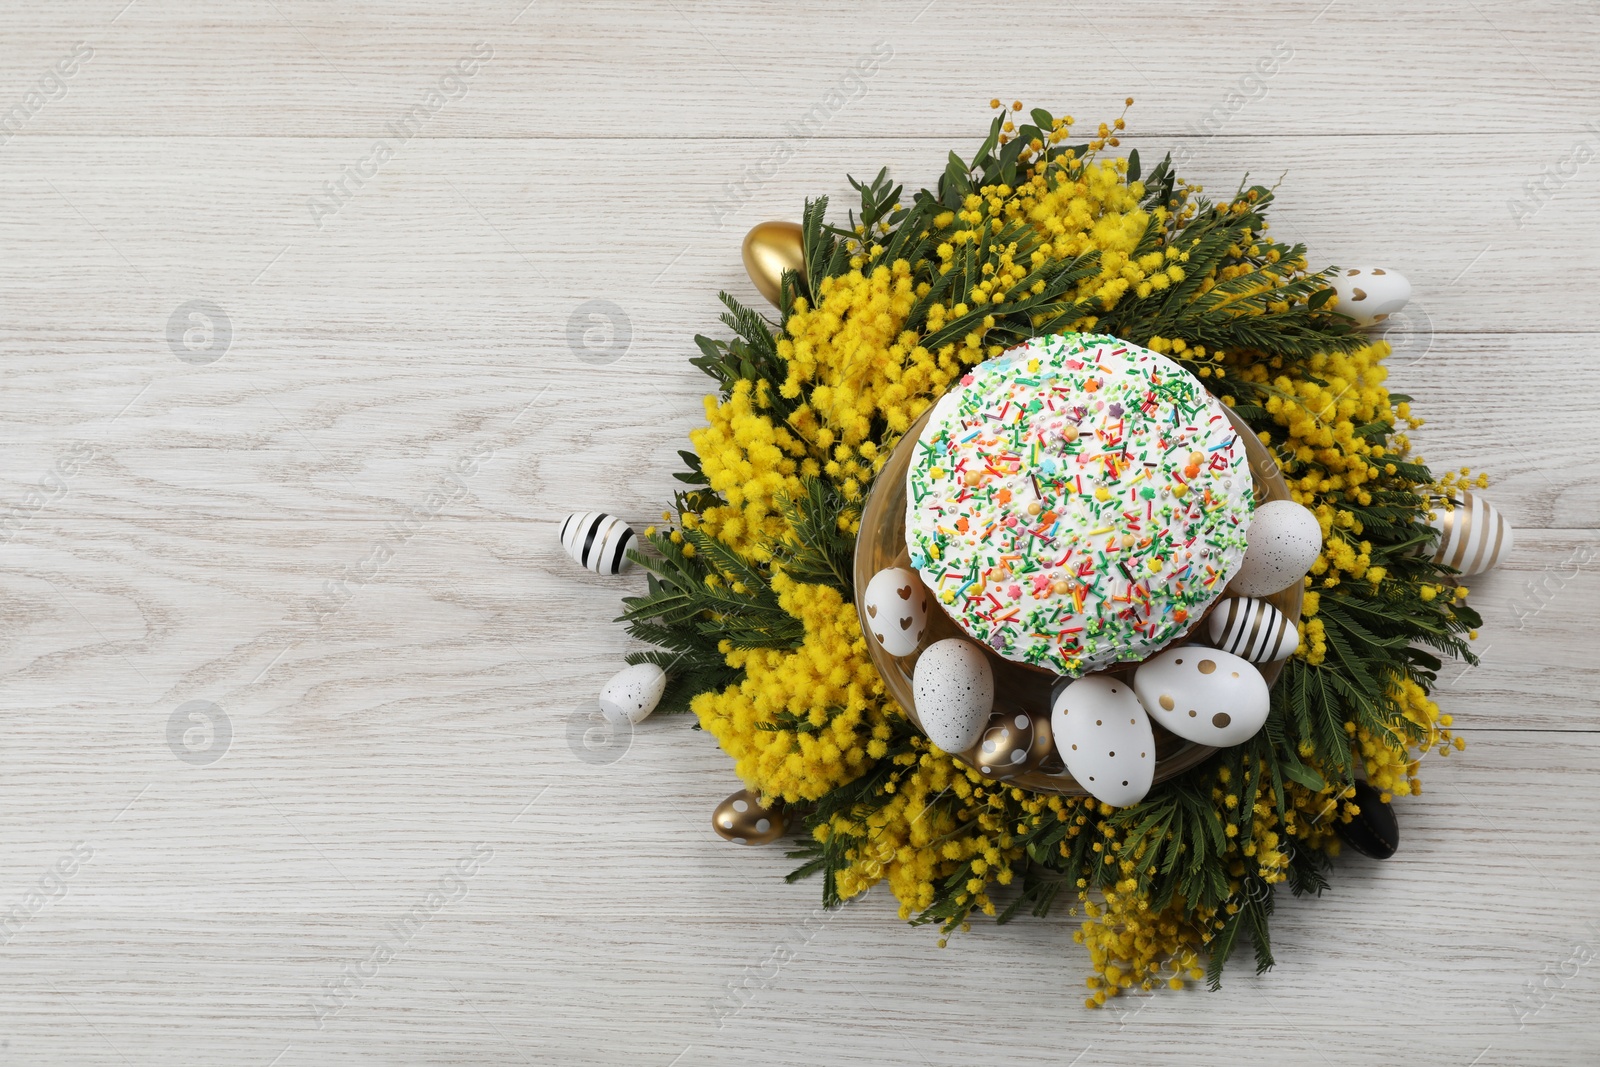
336	540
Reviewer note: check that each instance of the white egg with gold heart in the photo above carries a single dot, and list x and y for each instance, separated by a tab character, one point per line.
896	610
1370	294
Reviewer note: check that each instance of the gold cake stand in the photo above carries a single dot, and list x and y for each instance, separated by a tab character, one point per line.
882	543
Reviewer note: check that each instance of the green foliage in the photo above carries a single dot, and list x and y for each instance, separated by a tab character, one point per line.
821	549
750	355
694	603
1228	316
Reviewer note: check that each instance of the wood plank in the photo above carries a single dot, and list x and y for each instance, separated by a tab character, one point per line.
489	246
697	69
210	902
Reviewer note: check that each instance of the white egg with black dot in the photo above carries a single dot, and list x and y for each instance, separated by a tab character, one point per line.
895	610
1204	695
1103	735
633	693
1282	544
953	685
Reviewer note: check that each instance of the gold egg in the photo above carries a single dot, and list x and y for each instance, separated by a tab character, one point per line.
1014	742
742	820
770	248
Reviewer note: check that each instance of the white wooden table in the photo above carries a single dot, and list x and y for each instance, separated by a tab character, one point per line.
321	517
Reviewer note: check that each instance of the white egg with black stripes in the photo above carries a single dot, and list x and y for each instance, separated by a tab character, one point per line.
598	541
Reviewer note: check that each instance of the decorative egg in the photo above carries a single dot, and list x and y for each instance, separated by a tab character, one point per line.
597	541
1374	831
1204	695
770	248
743	820
1014	742
1104	737
1253	629
633	692
1283	542
1370	294
1473	536
954	690
896	604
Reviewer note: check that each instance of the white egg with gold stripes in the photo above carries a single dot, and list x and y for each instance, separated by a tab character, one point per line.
1252	629
597	541
1473	536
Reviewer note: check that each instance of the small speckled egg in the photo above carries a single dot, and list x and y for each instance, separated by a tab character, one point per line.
598	541
742	819
633	693
895	609
1204	695
954	690
1253	629
1370	294
1283	542
1473	537
1104	738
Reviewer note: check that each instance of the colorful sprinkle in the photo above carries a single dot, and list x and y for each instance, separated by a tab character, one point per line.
1079	437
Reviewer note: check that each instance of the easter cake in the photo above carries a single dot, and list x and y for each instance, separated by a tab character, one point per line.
1077	502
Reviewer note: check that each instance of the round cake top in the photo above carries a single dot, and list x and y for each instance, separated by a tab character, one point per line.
1077	501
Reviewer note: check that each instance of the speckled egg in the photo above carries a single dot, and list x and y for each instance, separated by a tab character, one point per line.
1473	536
1104	738
1284	540
633	692
895	610
1370	294
954	690
1253	629
1204	695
